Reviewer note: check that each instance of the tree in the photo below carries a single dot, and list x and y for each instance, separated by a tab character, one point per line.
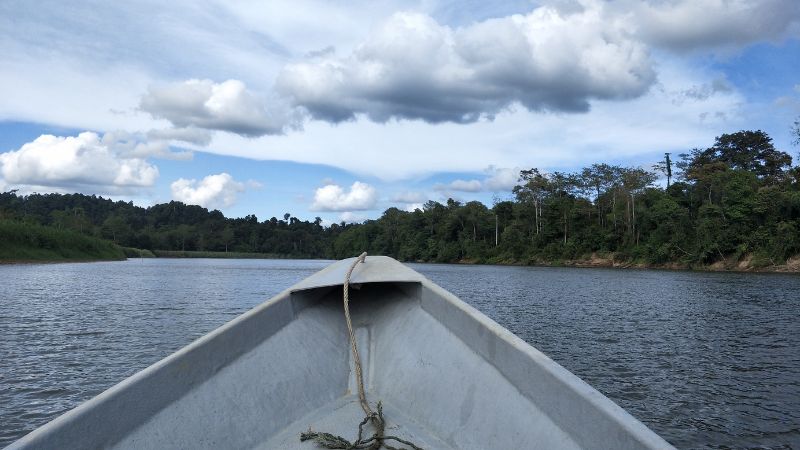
665	167
752	151
635	181
116	226
533	190
227	236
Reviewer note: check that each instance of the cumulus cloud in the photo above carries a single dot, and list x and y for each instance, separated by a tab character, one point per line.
408	197
498	179
333	197
501	178
213	191
412	67
558	57
76	162
702	24
227	106
411	207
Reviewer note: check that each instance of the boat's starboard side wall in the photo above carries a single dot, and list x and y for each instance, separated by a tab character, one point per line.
110	416
590	418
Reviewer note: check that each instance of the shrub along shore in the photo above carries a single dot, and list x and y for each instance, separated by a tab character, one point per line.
26	242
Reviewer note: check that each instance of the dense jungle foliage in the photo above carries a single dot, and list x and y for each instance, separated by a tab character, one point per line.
740	197
32	242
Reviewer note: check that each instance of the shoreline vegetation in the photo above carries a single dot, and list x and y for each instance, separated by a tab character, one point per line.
734	206
605	261
25	242
747	264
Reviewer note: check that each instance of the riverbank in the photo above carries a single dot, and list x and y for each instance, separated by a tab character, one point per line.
36	244
747	263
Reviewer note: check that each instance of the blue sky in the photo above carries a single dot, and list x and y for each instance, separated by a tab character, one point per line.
343	109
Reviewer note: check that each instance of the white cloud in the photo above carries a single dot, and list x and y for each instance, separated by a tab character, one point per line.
192	135
139	145
411	207
705	24
254	185
498	179
460	185
501	178
351	217
412	67
226	106
84	162
333	197
408	197
213	191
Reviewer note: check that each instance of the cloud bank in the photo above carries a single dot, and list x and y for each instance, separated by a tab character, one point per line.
412	67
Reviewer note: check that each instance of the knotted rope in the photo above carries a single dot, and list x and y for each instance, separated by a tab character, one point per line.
378	439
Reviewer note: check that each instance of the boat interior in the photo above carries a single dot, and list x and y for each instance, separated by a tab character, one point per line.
447	376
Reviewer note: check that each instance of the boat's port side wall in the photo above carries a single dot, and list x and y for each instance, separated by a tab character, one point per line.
108	418
300	368
586	415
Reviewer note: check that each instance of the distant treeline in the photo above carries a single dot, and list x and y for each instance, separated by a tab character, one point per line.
738	198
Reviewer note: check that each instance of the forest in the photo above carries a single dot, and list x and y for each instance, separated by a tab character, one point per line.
737	199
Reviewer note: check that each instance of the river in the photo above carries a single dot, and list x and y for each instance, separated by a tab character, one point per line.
704	359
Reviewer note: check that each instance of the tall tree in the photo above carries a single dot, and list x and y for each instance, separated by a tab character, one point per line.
532	190
665	167
752	151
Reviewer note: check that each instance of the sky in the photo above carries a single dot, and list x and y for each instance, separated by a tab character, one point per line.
341	110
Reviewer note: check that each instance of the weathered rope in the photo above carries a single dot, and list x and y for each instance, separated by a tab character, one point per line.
378	439
362	397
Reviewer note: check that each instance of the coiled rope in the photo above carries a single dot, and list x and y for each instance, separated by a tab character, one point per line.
379	438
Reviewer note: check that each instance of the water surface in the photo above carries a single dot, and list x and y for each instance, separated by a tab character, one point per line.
707	360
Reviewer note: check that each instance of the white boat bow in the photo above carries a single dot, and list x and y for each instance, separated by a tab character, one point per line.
448	376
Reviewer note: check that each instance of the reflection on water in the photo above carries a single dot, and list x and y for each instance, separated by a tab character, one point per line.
706	360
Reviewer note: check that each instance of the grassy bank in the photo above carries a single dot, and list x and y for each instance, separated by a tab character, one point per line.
30	242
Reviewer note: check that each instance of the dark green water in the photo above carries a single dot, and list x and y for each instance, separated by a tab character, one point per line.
707	360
